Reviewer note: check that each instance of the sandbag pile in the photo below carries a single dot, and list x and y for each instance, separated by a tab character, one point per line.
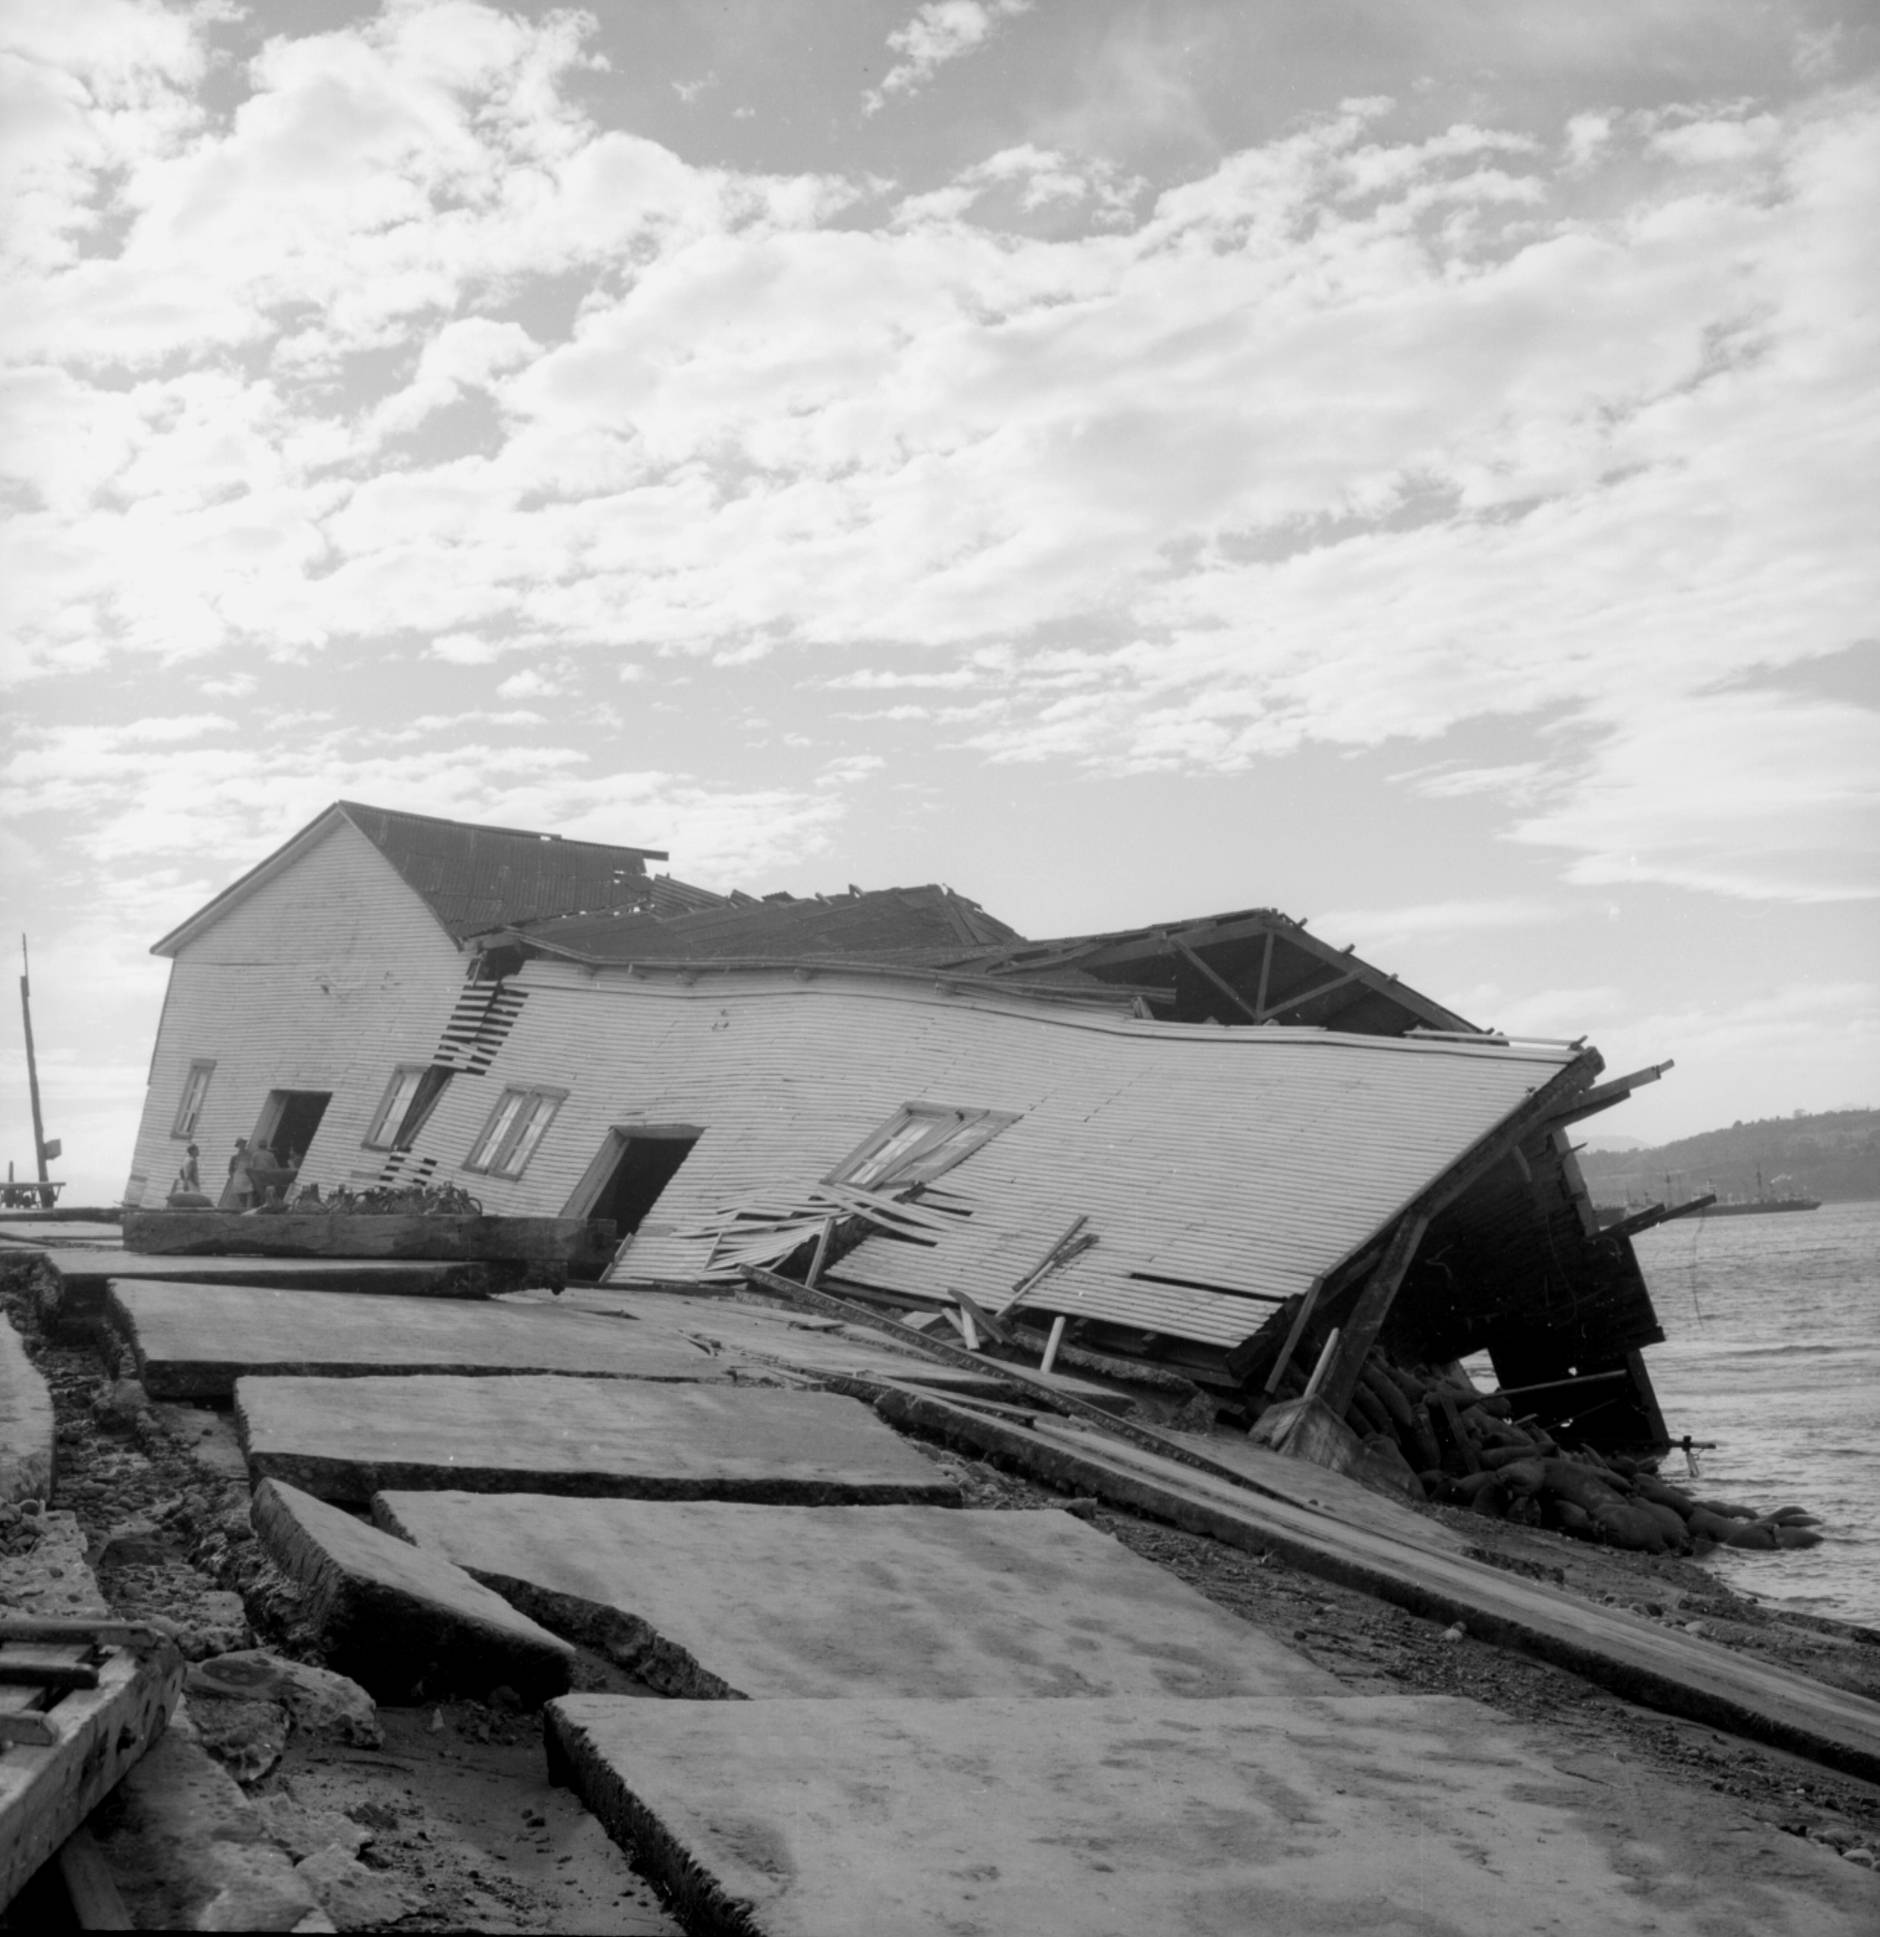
1467	1448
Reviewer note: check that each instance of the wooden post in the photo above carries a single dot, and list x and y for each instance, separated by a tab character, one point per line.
47	1197
1368	1314
822	1251
1318	1371
1286	1351
1052	1343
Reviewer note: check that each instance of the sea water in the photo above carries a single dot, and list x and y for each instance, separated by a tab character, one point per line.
1772	1328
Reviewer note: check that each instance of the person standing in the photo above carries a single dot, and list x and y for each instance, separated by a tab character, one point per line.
241	1187
190	1176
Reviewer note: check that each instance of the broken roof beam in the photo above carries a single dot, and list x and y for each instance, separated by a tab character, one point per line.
1221	982
1607	1094
1272	1012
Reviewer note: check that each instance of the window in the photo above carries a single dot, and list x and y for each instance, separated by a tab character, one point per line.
514	1129
917	1144
409	1099
195	1089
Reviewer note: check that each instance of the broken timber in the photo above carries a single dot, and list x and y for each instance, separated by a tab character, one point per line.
333	1234
80	1702
1033	1383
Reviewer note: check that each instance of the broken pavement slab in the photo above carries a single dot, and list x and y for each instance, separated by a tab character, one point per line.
193	1341
402	1621
703	1599
1113	1818
70	1283
28	1431
347	1439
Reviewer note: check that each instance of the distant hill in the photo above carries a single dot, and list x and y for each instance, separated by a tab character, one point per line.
1834	1156
1615	1143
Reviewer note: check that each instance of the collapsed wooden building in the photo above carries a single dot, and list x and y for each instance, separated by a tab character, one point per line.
1218	1147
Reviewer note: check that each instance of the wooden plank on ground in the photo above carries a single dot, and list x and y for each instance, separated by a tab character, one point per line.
337	1234
90	1737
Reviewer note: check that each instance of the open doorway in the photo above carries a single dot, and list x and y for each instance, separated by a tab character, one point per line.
264	1170
635	1164
287	1123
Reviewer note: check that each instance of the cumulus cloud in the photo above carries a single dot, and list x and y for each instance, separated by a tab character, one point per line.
939	32
1344	439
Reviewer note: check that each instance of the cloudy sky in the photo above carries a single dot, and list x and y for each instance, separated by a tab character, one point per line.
1411	463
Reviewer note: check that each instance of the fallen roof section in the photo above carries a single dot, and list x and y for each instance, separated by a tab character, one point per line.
1242	969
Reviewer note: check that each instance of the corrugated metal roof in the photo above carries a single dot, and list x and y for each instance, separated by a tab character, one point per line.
1235	968
1242	1164
881	922
1255	1163
471	877
476	878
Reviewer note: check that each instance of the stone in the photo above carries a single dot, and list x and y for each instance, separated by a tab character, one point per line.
50	1576
400	1620
247	1737
707	1599
187	1849
353	1896
347	1439
303	1829
28	1433
319	1702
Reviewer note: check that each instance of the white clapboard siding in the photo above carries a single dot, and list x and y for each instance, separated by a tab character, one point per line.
325	977
1248	1159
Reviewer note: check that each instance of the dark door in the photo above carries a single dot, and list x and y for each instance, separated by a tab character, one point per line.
635	1165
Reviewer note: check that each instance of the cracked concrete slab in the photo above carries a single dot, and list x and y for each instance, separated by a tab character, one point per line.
193	1341
403	1621
704	1599
347	1439
1354	1815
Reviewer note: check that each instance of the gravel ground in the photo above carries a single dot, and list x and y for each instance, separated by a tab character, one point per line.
455	1812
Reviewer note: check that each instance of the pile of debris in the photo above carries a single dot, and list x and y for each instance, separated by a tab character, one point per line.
1429	1432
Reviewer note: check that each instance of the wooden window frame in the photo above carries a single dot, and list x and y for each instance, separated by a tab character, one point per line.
509	1130
395	1126
951	1135
195	1094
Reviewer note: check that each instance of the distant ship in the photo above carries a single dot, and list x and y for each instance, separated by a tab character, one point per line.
1779	1195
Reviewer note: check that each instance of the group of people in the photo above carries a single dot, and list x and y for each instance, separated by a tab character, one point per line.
254	1174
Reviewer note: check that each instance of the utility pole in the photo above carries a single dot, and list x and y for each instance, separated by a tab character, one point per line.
46	1198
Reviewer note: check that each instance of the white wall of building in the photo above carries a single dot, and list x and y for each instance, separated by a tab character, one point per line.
324	977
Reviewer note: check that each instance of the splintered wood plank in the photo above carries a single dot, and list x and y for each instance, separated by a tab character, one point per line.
92	1736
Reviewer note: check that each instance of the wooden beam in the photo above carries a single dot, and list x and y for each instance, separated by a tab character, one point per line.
1266	974
84	1743
1268	1010
1360	1330
1293	1337
1040	1389
1221	982
1605	1095
1362	1324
